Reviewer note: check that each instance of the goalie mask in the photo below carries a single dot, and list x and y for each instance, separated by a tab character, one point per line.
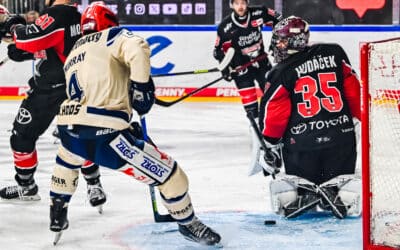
97	17
289	36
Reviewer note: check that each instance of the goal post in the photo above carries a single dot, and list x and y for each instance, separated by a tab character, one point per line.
380	133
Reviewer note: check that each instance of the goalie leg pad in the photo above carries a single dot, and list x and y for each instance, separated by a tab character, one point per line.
282	193
349	187
175	196
145	157
291	196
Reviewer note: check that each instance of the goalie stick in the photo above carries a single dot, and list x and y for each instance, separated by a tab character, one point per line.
157	216
224	63
268	153
5	59
242	67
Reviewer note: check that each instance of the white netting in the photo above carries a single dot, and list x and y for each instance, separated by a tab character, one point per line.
384	90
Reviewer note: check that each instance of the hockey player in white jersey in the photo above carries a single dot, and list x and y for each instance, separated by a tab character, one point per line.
108	75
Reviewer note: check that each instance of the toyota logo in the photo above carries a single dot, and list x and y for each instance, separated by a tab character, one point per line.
299	129
24	116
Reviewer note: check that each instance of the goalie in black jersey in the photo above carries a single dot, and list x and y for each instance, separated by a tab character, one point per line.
310	100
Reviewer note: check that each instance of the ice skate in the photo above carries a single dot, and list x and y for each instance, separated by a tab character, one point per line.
26	190
58	218
96	196
198	232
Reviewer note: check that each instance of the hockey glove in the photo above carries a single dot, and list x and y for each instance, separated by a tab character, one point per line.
12	22
142	96
227	73
272	159
18	55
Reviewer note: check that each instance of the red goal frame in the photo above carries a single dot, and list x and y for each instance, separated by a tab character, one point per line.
367	194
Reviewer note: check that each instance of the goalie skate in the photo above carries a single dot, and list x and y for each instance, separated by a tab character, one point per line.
198	232
96	196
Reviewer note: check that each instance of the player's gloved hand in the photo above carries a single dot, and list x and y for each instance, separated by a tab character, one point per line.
17	54
227	73
142	96
272	158
12	22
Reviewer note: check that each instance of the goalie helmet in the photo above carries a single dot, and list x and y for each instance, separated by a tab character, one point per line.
96	17
289	36
231	3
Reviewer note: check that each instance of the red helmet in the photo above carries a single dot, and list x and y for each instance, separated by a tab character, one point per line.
96	17
289	36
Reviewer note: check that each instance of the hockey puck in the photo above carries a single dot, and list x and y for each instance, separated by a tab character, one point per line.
269	222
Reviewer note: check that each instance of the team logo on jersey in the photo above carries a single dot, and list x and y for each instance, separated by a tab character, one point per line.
298	129
24	116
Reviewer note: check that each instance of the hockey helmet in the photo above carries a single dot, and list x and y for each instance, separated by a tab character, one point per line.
96	17
289	36
231	3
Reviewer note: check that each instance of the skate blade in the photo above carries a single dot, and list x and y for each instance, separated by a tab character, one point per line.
57	237
23	199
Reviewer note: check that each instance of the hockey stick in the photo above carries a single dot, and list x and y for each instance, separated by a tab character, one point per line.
224	63
157	216
268	153
242	67
194	72
167	104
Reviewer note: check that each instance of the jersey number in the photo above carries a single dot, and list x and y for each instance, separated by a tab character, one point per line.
75	91
308	87
44	21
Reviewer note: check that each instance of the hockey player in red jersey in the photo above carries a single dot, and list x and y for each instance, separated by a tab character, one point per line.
49	40
108	78
310	100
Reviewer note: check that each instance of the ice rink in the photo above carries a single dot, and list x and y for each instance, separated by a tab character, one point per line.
211	142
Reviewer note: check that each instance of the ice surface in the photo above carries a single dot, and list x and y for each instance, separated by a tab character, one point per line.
211	141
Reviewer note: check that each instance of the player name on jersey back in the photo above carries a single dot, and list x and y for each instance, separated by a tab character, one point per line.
316	63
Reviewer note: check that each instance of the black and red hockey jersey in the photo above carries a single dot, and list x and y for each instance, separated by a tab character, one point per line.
245	37
310	99
50	38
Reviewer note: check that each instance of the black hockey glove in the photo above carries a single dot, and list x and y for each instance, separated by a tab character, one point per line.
227	73
272	158
12	22
142	96
17	54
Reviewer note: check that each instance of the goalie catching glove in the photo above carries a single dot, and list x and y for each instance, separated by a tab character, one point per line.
142	96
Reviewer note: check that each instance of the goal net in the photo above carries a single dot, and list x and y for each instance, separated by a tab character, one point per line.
380	75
